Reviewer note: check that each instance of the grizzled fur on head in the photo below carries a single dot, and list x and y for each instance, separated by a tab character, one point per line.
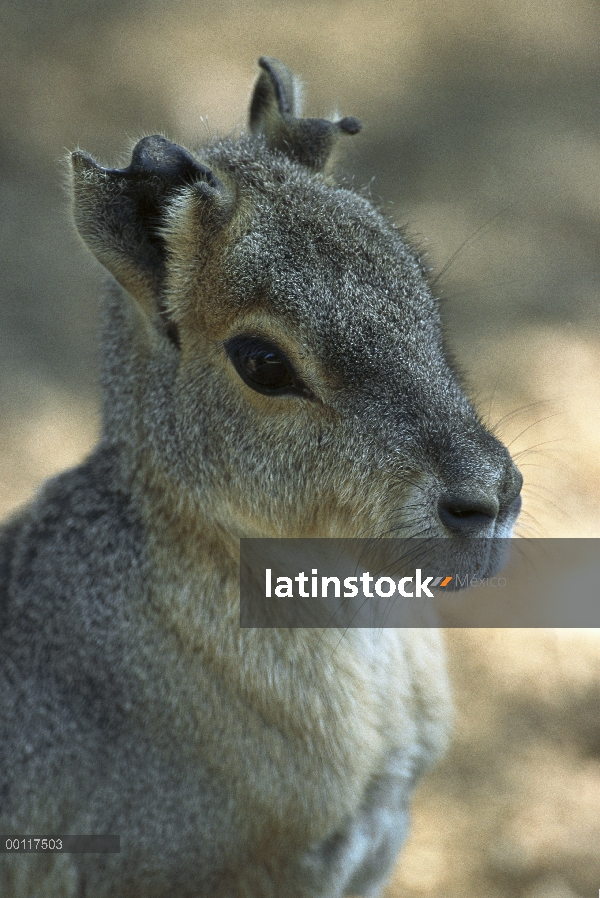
250	240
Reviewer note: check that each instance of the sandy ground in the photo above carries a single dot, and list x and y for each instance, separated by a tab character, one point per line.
481	135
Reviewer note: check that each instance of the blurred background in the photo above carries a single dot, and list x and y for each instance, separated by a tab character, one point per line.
482	137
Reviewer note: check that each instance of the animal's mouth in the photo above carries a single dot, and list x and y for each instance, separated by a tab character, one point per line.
452	562
470	561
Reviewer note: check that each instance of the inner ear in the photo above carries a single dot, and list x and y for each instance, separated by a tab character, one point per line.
121	213
309	141
274	89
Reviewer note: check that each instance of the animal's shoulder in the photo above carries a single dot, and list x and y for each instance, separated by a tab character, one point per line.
80	530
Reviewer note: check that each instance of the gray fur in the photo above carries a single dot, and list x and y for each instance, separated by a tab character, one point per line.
234	763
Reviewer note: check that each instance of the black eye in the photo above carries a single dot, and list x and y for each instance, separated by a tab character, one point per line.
264	367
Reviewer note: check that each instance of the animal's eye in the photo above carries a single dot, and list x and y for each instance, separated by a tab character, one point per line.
264	367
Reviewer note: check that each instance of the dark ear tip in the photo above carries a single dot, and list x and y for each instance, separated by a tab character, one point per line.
149	149
349	125
268	63
282	84
82	162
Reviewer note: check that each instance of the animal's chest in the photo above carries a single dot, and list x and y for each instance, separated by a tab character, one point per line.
301	742
293	724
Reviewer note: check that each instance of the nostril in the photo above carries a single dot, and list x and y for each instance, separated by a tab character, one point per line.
466	515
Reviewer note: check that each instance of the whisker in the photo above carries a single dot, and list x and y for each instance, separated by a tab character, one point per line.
519	410
529	426
468	240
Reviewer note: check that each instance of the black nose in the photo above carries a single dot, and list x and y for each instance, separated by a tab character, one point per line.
467	515
471	511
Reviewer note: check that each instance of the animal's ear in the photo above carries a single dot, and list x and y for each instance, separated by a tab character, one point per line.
121	213
272	114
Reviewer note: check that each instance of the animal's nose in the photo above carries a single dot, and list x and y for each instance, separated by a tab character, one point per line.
467	514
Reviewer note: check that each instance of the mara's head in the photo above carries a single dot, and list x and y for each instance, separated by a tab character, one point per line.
276	354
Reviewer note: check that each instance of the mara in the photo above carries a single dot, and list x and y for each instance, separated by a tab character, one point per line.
272	365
